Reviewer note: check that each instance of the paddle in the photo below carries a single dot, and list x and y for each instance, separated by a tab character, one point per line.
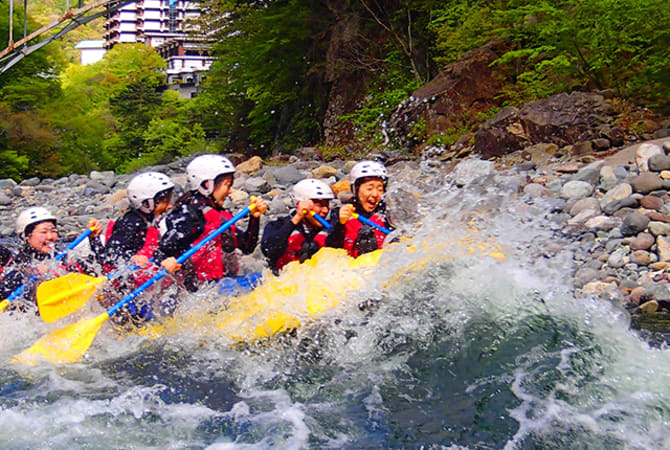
367	221
5	303
69	343
320	219
64	295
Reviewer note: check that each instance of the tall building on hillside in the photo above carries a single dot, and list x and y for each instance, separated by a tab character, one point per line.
92	51
188	61
164	25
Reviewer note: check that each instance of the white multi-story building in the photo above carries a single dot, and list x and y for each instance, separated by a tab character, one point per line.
164	25
92	51
188	61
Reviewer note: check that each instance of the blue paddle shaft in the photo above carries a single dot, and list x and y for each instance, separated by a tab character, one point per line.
321	220
18	290
58	257
187	254
367	221
73	244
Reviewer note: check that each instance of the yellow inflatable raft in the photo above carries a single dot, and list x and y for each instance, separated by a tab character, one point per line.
302	292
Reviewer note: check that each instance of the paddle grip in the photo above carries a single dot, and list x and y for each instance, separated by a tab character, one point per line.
321	220
367	221
187	254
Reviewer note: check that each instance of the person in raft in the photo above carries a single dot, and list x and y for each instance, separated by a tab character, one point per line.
368	180
37	228
297	236
134	237
199	212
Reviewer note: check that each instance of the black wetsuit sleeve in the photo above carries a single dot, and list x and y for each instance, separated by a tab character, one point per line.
183	228
6	255
10	282
275	238
337	231
97	248
247	240
127	239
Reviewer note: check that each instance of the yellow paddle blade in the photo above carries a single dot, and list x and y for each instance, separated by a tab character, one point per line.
3	305
65	345
64	295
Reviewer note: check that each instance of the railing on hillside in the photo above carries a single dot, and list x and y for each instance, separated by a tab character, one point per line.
16	51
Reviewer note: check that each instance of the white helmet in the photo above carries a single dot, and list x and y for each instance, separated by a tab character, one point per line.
368	169
311	189
143	188
32	216
207	167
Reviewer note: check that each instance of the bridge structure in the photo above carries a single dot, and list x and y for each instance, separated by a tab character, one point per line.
32	42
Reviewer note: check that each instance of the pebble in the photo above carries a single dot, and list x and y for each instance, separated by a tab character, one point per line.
613	219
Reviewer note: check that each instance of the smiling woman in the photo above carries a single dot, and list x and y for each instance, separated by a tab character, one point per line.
43	237
37	227
368	185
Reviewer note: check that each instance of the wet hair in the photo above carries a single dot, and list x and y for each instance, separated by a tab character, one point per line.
184	199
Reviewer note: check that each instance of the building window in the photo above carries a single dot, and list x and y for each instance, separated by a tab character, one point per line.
173	16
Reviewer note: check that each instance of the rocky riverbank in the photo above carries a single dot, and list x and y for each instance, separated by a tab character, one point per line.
618	208
615	211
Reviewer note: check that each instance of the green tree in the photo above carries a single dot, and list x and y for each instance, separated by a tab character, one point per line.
267	83
595	44
463	25
107	106
170	134
406	26
12	165
133	108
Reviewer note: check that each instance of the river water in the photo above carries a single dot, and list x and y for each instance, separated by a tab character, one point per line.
458	347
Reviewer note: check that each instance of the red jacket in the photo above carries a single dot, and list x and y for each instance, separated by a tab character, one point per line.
352	229
208	262
294	246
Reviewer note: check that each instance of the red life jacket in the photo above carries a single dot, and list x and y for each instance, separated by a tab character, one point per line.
351	229
295	242
211	262
108	231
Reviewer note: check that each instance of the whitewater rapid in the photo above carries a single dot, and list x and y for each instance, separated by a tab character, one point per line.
475	340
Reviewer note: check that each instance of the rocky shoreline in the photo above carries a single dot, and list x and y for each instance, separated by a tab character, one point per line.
615	210
618	208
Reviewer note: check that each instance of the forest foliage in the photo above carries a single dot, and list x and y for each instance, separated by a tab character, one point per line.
277	62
